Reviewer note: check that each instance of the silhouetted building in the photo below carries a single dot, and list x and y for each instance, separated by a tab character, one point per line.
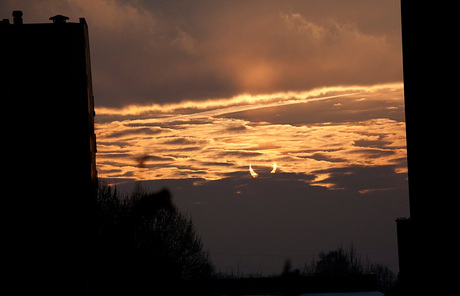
419	236
50	152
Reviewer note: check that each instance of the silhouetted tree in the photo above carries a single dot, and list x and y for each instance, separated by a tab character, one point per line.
339	262
342	262
386	278
145	243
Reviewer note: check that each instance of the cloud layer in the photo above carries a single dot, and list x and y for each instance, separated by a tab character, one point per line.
359	126
146	52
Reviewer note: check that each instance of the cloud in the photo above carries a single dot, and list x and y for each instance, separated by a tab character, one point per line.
236	129
201	110
239	153
153	158
365	179
292	134
322	156
185	141
359	105
146	52
143	131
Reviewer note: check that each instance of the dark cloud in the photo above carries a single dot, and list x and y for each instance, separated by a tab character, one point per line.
184	149
165	51
115	155
225	164
135	131
239	153
322	156
372	143
356	178
158	158
113	171
184	141
372	153
236	129
121	144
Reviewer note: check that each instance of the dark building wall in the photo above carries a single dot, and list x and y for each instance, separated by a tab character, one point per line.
406	246
48	120
426	46
48	86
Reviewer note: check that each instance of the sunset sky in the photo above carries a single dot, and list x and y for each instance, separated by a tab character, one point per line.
189	94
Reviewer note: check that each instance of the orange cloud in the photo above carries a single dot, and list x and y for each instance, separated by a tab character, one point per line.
214	142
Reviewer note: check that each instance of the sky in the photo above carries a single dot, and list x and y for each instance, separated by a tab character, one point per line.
190	94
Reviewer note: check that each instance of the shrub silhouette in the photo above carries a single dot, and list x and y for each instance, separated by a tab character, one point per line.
342	262
339	262
145	244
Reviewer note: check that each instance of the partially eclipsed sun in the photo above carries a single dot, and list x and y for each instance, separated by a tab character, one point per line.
255	175
251	171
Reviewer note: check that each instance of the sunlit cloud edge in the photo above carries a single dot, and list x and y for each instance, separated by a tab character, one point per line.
249	101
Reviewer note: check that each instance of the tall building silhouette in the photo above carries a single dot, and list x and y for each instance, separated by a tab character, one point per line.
421	236
48	119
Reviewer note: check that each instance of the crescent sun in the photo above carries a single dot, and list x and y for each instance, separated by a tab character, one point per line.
251	171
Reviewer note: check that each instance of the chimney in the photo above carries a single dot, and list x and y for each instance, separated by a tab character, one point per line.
59	19
17	17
